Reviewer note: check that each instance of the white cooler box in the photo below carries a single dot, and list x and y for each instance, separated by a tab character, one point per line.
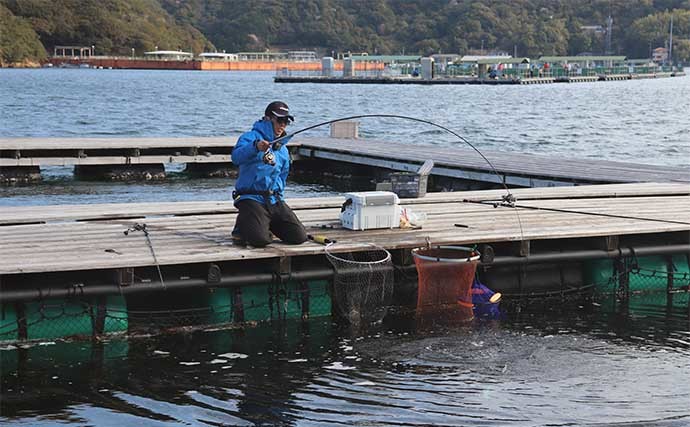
370	209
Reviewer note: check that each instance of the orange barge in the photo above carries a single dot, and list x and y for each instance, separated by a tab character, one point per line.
162	64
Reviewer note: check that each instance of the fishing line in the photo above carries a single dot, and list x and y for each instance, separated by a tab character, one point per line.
507	200
538	208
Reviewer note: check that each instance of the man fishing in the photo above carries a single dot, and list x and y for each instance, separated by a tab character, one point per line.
263	170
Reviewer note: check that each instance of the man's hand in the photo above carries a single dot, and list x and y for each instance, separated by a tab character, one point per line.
262	145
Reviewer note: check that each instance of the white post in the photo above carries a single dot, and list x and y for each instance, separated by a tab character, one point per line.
327	66
427	68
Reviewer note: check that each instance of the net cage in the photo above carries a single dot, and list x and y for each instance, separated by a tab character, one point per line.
445	275
658	280
362	284
168	310
59	318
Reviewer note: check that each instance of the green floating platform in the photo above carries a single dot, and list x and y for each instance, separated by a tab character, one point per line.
53	319
293	300
57	318
651	275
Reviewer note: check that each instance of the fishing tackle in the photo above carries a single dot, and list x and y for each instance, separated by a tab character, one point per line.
269	158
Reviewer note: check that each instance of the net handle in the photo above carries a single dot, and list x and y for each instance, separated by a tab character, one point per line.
454	260
335	256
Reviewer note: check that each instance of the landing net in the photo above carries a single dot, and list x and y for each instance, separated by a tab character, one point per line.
445	275
362	285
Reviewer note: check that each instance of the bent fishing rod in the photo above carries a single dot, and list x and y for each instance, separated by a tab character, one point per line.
508	198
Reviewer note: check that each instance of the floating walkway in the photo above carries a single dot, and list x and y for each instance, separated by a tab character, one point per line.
465	80
95	269
28	155
75	238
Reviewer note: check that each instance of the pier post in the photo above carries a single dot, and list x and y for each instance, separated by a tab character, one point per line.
348	67
427	68
327	66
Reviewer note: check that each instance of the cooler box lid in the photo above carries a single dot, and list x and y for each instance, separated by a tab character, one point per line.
373	198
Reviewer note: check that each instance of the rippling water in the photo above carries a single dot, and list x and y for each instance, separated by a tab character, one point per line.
643	121
581	365
574	367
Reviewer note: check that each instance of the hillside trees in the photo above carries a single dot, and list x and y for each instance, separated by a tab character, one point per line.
525	27
18	41
113	26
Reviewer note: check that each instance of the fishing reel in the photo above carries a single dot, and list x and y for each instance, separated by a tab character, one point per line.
269	158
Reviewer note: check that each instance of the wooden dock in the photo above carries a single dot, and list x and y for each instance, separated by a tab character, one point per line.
113	151
514	169
91	237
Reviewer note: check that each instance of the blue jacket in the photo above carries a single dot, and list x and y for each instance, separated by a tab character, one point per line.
254	174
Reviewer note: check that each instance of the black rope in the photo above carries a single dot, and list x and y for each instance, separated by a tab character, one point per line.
142	227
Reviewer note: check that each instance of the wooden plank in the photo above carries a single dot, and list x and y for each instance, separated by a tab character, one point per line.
464	162
511	163
49	143
64	246
32	214
113	160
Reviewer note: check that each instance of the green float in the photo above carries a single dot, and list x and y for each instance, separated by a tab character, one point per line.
51	319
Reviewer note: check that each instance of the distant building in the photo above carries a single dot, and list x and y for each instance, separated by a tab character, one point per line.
477	58
660	54
218	56
302	55
262	56
586	61
445	58
73	51
170	55
387	59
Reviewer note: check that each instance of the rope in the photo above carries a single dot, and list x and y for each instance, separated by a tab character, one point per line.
142	227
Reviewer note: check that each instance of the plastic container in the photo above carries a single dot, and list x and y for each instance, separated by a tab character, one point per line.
409	185
370	210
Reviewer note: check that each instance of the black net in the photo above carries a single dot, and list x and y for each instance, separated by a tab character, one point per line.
363	283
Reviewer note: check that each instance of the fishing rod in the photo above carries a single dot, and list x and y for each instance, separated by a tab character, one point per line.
508	198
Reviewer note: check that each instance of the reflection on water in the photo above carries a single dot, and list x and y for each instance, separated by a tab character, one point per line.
61	189
573	366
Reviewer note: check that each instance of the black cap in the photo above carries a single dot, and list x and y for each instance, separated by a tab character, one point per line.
278	109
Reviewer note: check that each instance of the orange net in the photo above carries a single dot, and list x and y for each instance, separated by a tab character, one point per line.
445	275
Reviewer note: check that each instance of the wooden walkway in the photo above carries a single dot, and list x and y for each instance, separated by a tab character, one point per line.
113	151
515	169
90	237
457	161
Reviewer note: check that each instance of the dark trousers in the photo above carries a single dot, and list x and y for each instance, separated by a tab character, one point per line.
255	220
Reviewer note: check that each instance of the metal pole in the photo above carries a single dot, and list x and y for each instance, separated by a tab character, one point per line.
141	287
23	294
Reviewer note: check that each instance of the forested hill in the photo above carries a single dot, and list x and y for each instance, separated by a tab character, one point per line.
527	27
114	27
